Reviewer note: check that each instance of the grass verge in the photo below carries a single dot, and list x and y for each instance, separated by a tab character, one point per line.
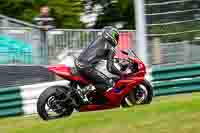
165	115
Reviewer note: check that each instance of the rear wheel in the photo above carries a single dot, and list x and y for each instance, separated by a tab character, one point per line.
54	103
142	94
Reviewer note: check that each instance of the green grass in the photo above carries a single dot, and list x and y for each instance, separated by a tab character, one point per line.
173	114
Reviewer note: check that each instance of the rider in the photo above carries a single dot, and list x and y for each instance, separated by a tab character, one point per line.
93	57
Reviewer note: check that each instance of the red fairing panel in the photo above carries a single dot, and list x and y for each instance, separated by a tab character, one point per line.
66	73
129	83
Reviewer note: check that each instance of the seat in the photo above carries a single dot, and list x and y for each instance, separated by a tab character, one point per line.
74	71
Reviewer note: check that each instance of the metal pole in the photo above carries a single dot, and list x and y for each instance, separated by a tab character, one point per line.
44	46
141	38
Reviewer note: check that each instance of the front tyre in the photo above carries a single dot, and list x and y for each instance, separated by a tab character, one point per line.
142	94
53	103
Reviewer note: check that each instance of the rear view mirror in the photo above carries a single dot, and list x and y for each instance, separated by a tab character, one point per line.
124	52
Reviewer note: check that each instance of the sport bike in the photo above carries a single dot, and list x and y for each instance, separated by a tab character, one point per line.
132	89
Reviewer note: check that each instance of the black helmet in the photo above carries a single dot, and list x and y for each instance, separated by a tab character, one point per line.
111	34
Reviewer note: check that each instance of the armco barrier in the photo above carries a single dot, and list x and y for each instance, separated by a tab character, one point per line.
175	72
10	101
178	79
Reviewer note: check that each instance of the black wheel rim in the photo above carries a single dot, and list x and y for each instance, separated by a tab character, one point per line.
56	106
141	94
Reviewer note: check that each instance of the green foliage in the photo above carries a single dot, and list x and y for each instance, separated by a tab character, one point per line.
128	13
116	11
19	9
66	12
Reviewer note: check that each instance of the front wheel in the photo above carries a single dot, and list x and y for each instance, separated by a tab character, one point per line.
142	94
53	103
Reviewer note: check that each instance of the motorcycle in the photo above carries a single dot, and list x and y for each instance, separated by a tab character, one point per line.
132	89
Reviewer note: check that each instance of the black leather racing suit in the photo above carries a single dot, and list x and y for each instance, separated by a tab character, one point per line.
87	62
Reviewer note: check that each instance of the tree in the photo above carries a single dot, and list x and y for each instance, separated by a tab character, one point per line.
66	12
115	12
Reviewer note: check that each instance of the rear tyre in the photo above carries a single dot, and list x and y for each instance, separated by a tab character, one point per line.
54	103
142	94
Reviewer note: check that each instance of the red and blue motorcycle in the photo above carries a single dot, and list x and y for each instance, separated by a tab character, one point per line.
61	101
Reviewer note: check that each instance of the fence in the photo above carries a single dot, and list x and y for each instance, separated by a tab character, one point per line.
176	53
173	31
164	48
59	42
66	42
69	42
